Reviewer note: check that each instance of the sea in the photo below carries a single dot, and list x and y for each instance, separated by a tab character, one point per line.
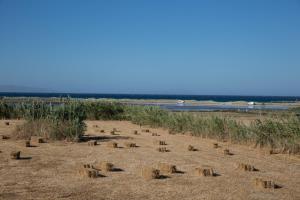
178	107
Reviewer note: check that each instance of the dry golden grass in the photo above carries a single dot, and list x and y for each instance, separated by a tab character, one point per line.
49	174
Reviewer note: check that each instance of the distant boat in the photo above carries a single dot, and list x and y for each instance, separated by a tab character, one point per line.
251	103
180	102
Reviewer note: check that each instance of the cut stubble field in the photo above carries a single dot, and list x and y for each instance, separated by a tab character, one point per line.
50	170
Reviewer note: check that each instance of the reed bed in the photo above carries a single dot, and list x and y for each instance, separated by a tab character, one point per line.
66	120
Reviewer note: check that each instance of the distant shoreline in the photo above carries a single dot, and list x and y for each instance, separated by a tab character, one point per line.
237	99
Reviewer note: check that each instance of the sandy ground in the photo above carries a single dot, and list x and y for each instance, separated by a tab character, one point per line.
49	171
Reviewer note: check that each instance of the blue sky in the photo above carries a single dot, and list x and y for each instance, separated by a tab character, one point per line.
241	47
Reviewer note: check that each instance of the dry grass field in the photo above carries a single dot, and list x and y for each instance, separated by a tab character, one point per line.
50	170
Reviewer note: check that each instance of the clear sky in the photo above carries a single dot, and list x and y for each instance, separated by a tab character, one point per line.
241	47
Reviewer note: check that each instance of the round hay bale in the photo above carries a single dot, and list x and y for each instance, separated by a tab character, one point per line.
216	145
104	166
130	145
149	173
155	134
15	155
27	143
167	168
191	148
204	172
112	145
146	130
92	143
112	133
102	131
246	167
227	152
7	123
263	184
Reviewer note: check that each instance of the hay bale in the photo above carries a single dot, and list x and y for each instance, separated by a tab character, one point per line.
112	133
167	168
102	131
112	144
216	145
159	142
276	151
7	123
87	172
95	126
263	184
155	134
162	149
4	137
87	166
146	130
227	152
27	143
104	166
246	167
130	145
92	143
191	148
204	172
135	132
15	155
36	139
149	173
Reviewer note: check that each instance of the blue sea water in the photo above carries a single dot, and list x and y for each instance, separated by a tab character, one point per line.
178	107
217	98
